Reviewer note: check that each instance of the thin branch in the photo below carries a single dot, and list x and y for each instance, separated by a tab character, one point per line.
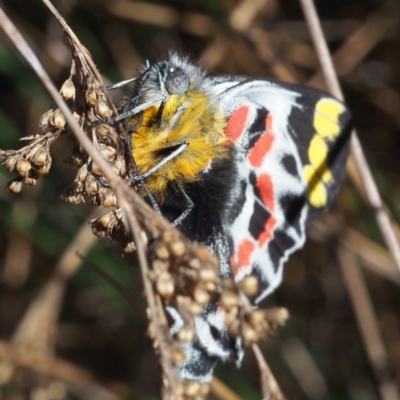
371	189
269	385
56	368
368	324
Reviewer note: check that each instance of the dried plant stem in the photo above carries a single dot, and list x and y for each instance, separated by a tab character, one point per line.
368	325
270	388
56	368
371	190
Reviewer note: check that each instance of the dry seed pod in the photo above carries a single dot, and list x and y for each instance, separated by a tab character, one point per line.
58	119
248	334
120	165
208	274
109	199
178	354
161	251
45	119
103	109
23	167
82	173
91	96
256	317
92	185
229	299
248	285
203	253
165	284
201	295
177	248
43	169
195	308
192	388
129	248
68	90
186	334
11	163
107	152
15	185
41	157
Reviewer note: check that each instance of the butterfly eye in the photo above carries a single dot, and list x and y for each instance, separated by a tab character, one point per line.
177	82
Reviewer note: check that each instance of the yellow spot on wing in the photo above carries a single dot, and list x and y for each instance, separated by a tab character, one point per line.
317	192
326	118
327	128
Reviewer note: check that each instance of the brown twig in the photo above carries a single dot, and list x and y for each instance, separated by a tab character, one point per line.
368	325
371	190
270	388
56	368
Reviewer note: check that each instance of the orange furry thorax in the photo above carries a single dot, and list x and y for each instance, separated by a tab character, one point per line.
188	119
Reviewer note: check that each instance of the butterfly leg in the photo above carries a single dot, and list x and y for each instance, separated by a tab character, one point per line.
121	84
189	207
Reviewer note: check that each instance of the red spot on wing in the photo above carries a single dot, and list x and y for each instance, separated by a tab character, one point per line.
268	232
244	252
237	123
265	185
260	149
263	145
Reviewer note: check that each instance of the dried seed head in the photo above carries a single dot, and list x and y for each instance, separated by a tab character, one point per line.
129	248
208	274
229	299
11	163
170	236
43	169
91	96
107	221
96	169
192	388
177	248
109	199
161	251
120	165
151	331
15	185
248	285
103	109
201	295
186	334
92	186
58	119
159	265
23	167
103	131
195	308
31	180
276	316
42	156
203	253
107	152
165	284
256	317
68	90
45	119
178	355
249	335
82	173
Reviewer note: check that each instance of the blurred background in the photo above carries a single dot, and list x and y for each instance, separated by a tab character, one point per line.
343	338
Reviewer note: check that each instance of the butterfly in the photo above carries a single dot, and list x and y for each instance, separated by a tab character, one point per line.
240	164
